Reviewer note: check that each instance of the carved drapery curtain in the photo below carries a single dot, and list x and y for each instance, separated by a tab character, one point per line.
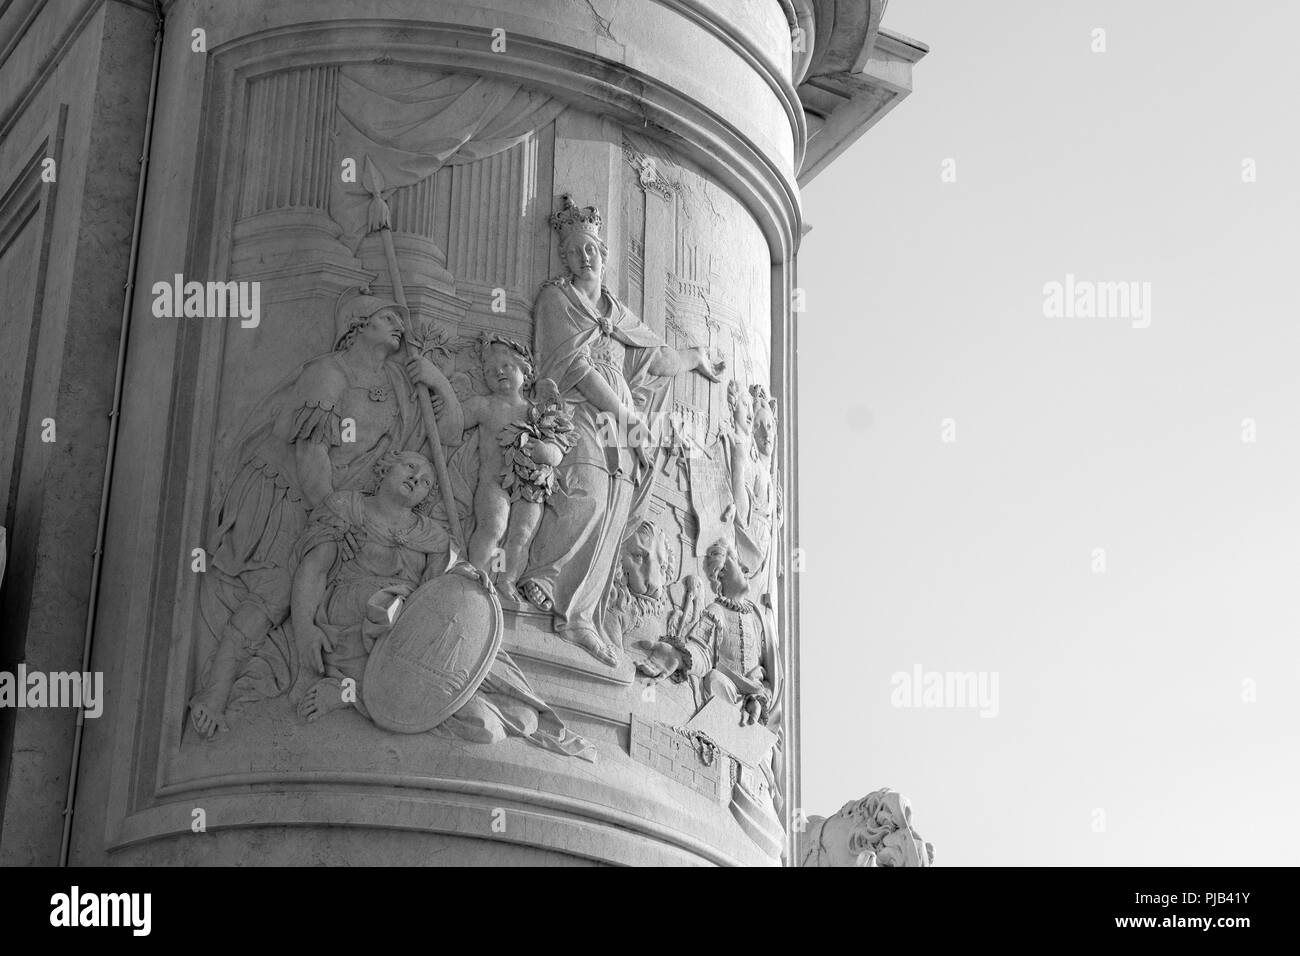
410	123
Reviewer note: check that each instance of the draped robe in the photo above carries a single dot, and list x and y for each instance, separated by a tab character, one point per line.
574	554
263	509
353	614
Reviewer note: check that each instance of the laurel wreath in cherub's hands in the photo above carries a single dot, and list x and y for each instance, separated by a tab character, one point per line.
547	422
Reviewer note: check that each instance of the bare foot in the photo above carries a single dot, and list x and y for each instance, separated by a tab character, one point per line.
591	642
326	695
206	720
536	596
305	680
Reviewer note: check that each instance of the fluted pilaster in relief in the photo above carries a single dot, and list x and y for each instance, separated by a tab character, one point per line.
290	124
283	224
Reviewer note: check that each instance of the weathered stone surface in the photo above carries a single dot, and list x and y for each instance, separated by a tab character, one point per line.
519	279
874	831
62	269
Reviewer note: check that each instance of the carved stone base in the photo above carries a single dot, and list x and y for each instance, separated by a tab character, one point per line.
442	793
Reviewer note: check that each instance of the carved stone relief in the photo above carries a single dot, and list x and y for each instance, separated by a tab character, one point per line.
399	507
615	372
874	831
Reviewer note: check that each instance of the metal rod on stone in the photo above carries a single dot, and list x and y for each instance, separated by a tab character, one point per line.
381	222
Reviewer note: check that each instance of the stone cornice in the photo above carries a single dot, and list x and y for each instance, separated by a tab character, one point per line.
577	76
774	75
856	74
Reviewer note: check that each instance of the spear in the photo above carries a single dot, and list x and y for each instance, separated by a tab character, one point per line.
381	222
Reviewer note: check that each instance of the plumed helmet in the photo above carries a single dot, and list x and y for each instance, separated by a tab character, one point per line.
356	305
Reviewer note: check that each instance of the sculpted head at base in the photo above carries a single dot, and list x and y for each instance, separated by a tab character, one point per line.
874	831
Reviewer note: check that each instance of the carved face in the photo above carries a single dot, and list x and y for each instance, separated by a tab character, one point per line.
902	848
409	480
643	563
503	369
383	329
731	579
584	258
875	831
764	429
742	410
726	573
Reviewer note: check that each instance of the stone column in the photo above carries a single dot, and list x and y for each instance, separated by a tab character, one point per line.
283	226
74	89
701	227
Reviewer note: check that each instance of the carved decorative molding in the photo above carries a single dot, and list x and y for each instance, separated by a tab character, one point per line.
649	177
26	217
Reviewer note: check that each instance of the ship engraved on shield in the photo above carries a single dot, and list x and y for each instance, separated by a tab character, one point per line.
441	662
436	655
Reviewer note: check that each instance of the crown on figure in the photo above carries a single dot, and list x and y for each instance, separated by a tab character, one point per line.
573	219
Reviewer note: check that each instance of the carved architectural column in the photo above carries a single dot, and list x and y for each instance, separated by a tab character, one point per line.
419	228
284	227
495	211
681	125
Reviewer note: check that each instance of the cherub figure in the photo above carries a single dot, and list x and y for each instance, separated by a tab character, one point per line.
507	369
519	444
533	448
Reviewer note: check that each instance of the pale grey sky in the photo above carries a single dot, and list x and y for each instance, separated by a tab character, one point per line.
1119	691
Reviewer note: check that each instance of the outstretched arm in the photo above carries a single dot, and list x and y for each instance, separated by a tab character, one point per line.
679	659
669	362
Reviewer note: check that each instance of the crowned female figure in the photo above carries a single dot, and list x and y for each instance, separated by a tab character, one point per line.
614	373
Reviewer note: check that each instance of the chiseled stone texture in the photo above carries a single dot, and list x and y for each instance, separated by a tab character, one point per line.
208	699
89	114
875	831
337	846
479	232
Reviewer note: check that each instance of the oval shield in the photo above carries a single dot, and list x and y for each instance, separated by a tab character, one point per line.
435	656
